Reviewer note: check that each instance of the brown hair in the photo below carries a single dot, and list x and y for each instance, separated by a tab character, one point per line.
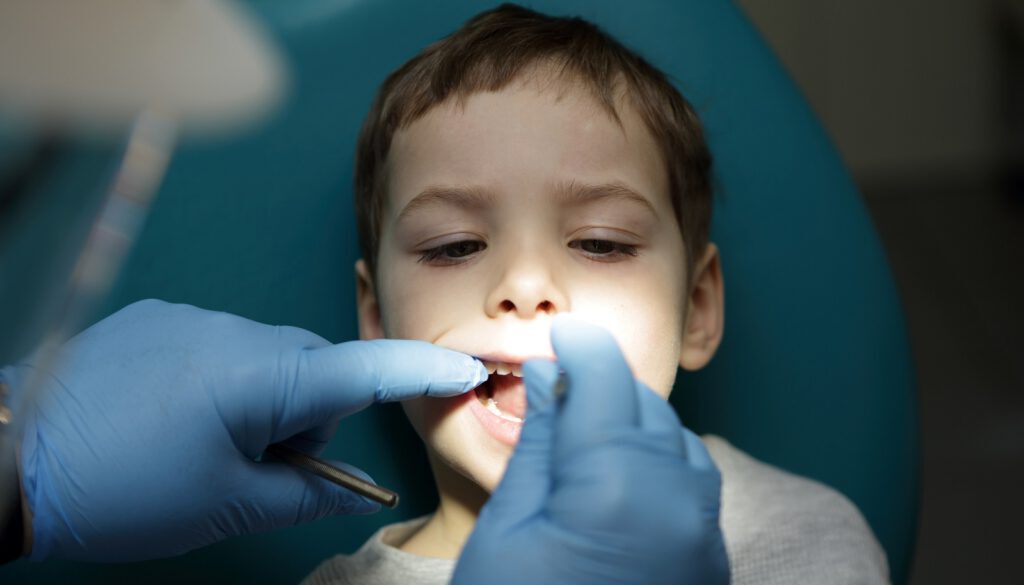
493	49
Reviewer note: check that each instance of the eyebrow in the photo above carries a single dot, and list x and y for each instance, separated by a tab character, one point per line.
575	193
569	193
462	197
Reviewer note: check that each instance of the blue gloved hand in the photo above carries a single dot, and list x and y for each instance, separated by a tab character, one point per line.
144	441
605	485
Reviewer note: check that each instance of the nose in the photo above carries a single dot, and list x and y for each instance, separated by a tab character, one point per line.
525	289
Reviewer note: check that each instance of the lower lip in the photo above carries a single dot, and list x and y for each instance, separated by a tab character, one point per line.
503	430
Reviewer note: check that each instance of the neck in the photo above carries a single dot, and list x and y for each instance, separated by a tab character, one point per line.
445	533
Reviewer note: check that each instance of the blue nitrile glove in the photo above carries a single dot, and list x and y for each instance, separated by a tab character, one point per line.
605	486
144	442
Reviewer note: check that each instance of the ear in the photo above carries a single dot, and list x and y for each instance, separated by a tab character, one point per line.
367	305
705	314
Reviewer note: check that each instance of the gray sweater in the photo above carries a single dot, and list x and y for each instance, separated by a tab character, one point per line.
779	529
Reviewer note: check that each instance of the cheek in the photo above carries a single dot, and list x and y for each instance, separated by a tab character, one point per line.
646	323
436	422
415	305
425	414
414	412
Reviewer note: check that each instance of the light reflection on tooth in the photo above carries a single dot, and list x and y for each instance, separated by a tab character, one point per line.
503	368
492	406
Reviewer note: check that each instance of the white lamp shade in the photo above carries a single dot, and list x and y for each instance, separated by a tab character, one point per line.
95	64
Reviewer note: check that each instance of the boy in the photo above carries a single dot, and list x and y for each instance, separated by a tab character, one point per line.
527	166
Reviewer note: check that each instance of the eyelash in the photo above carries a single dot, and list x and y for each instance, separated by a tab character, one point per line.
437	256
617	252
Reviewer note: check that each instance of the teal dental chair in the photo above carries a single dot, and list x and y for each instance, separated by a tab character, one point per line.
814	372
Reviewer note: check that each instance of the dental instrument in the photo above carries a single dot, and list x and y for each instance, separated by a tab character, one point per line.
319	467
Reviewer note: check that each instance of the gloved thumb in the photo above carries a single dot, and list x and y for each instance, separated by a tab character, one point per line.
279	495
523	491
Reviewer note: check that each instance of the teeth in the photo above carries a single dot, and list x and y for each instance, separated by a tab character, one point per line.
493	407
503	368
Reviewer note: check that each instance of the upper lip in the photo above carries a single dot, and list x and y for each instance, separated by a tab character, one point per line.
509	358
503	364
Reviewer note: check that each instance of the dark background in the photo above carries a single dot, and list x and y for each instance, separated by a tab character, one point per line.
925	101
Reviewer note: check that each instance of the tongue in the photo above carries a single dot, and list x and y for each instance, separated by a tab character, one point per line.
510	394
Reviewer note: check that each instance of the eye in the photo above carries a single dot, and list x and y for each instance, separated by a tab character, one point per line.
451	253
604	250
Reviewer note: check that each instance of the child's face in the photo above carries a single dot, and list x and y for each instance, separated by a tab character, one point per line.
524	203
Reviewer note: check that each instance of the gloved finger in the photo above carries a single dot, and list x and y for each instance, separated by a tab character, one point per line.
315	440
696	451
600	396
657	416
285	495
387	370
523	491
540	377
332	382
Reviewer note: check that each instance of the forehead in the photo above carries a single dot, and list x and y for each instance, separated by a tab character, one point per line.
524	139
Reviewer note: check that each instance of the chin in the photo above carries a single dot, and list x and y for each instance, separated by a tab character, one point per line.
490	475
483	468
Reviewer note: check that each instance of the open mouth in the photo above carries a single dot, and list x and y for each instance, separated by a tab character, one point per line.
503	394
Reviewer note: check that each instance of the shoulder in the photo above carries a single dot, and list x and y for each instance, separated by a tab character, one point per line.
783	528
379	563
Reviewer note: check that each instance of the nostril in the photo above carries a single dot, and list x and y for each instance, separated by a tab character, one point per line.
546	307
507	306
